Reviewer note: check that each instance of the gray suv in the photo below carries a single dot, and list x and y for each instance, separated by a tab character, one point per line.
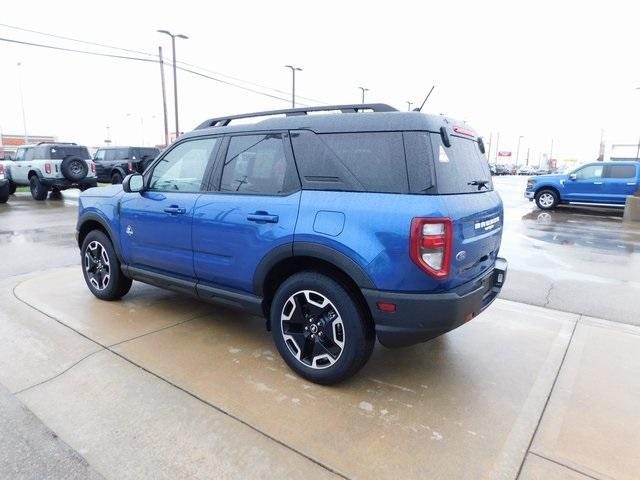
52	166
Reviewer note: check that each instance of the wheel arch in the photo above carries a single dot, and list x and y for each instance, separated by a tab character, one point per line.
92	221
553	188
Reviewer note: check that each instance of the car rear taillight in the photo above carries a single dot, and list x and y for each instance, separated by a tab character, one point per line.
430	245
93	167
130	166
47	168
1	169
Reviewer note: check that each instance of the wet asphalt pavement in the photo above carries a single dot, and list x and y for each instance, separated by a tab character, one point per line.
580	260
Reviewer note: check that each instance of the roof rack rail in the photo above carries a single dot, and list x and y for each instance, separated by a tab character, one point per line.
57	143
290	112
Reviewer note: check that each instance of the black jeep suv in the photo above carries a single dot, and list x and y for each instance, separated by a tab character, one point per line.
115	163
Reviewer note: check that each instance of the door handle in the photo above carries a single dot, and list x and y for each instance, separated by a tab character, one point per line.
262	217
175	210
597	183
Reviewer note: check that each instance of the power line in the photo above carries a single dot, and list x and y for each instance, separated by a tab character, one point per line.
147	60
151	55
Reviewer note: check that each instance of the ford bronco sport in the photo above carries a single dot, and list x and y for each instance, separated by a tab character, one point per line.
337	228
52	166
115	163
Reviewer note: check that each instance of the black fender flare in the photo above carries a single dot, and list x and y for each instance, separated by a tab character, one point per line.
313	250
37	172
120	170
94	217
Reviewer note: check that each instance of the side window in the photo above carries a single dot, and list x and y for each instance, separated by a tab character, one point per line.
110	155
589	172
257	164
99	156
182	169
621	171
29	154
417	147
20	154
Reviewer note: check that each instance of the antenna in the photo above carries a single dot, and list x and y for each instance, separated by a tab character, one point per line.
425	100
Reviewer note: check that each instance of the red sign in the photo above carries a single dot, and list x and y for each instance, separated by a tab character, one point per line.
504	154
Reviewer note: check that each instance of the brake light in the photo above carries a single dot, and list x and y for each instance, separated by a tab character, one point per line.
1	169
47	168
464	131
130	166
430	245
93	167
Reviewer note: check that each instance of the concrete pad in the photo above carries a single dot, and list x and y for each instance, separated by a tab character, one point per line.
592	422
463	406
537	468
34	347
63	294
129	424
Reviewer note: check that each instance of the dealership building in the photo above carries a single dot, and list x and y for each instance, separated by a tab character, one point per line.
9	143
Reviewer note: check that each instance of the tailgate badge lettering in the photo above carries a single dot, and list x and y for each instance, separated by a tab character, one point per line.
487	224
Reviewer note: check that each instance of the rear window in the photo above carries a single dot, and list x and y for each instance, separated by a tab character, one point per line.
360	161
149	152
59	152
621	171
458	166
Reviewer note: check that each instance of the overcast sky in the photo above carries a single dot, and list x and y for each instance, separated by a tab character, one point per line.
561	70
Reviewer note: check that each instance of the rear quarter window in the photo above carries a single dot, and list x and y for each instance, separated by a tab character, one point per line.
621	171
358	161
59	152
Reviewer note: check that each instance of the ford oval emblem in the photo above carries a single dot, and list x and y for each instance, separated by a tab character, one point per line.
460	256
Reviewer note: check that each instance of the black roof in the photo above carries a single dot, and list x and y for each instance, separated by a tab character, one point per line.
338	118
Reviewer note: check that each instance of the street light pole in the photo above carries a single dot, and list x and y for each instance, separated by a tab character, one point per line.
408	105
164	98
364	89
550	154
175	72
638	150
293	83
518	150
24	117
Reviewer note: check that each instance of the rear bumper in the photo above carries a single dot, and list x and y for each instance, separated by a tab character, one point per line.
62	183
419	317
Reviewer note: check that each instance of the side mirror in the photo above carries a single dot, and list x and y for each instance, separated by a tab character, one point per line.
573	176
133	183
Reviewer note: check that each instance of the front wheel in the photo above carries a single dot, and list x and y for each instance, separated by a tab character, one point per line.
12	188
320	329
546	199
101	268
4	193
38	190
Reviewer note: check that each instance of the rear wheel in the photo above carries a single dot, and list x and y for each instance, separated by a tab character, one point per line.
12	188
4	193
101	268
38	190
546	199
116	178
320	329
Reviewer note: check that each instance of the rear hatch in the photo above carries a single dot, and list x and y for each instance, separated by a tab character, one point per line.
460	176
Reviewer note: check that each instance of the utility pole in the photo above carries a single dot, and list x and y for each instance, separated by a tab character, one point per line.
164	98
175	72
293	83
489	146
24	117
408	105
364	89
528	151
550	154
518	150
497	146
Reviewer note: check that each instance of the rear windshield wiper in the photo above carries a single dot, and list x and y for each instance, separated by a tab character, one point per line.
479	183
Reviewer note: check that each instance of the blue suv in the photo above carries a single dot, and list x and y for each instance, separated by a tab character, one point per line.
597	184
338	227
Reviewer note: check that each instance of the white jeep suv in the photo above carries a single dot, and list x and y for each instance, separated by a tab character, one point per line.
52	166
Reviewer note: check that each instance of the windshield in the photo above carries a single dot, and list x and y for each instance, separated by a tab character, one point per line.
60	152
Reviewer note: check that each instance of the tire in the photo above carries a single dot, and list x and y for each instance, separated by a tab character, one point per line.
116	178
320	329
73	168
38	190
101	267
12	188
546	199
5	191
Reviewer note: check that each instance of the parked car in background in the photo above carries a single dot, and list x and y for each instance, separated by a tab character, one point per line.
115	163
52	166
4	186
600	183
542	171
5	174
501	170
335	227
526	170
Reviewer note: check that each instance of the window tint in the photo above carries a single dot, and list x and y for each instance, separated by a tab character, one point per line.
59	152
182	169
417	146
459	165
621	171
121	154
29	154
40	153
20	154
99	155
255	164
589	172
376	159
148	152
